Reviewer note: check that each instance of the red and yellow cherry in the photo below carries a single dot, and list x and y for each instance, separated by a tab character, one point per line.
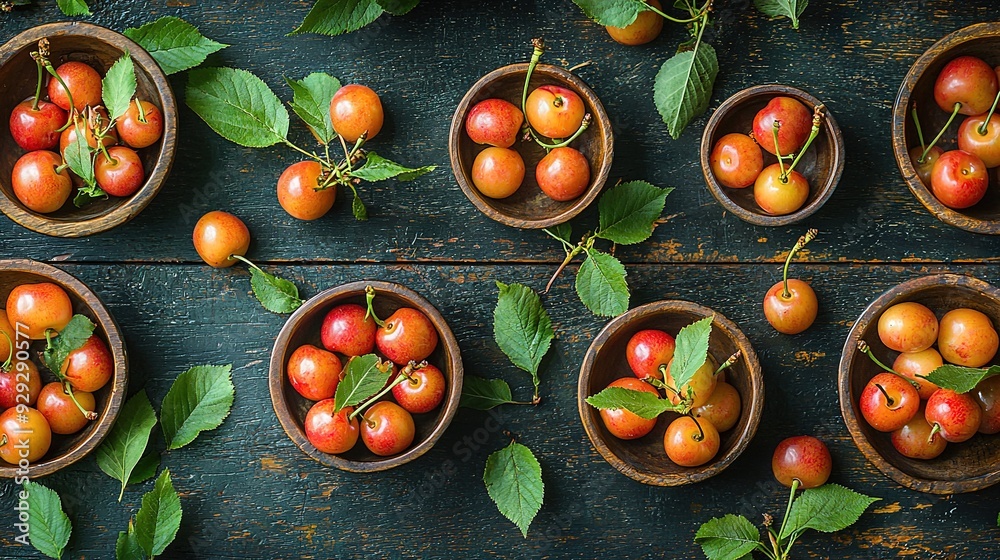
956	416
563	174
914	365
802	458
967	338
778	196
140	129
722	409
39	183
987	394
791	305
701	385
83	82
120	172
959	179
61	412
313	372
39	307
219	235
624	424
356	110
329	431
89	367
387	429
20	384
917	439
691	442
97	117
498	172
736	161
647	350
349	330
969	82
908	327
422	392
925	169
796	122
298	194
36	128
888	402
554	111
494	122
8	338
645	28
981	139
407	336
27	438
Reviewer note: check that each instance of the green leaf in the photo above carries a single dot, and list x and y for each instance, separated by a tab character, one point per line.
483	394
377	168
159	517
335	17
683	86
198	400
237	105
78	156
641	403
513	480
958	378
74	335
522	327
74	7
363	377
118	86
126	443
827	509
87	194
732	537
311	102
358	208
628	212
127	546
49	528
691	351
277	295
174	43
145	469
616	13
398	7
600	283
791	9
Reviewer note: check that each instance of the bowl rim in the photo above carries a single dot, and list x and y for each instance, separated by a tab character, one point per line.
850	351
276	377
458	127
155	178
756	397
830	128
119	381
900	110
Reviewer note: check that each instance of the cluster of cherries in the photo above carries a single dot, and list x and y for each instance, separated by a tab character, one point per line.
784	128
959	178
922	417
406	339
32	412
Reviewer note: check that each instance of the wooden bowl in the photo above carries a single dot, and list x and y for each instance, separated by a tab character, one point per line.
644	459
982	40
100	48
529	207
69	449
303	327
822	163
963	467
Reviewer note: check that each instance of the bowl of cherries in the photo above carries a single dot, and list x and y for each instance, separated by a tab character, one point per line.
63	369
917	384
65	81
772	155
365	376
946	128
531	145
670	393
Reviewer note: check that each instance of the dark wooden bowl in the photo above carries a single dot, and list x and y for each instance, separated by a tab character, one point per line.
303	327
100	48
529	207
644	459
963	467
982	40
822	164
67	450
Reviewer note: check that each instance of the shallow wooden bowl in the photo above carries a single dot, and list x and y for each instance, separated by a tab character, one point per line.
963	467
303	327
67	450
644	459
100	48
981	40
529	207
822	164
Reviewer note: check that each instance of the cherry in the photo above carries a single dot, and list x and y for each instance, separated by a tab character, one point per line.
89	367
804	459
959	179
218	235
795	119
917	440
647	350
908	327
563	174
624	424
888	402
8	337
97	118
913	365
63	414
347	329
956	416
140	129
925	169
27	438
387	429
83	82
691	442
422	392
555	111
40	307
19	384
645	28
329	431
736	161
722	409
498	172
314	372
779	197
298	194
967	338
987	394
36	128
406	336
791	306
494	122
981	138
40	182
120	172
356	110
968	82
701	385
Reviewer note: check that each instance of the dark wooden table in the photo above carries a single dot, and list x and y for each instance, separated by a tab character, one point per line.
248	492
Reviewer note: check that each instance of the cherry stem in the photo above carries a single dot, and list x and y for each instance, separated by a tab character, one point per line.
88	414
369	298
889	401
954	113
673	19
310	155
984	128
920	131
567	246
583	126
788	509
244	259
802	242
701	431
570	255
775	127
139	111
728	363
538	47
10	358
864	348
3	440
38	86
69	94
402	376
813	133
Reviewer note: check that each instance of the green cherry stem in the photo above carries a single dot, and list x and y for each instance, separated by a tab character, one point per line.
729	363
984	128
788	509
813	133
538	47
405	375
245	260
306	153
671	18
88	414
69	94
954	113
38	86
920	131
865	349
802	242
775	127
138	111
369	298
583	126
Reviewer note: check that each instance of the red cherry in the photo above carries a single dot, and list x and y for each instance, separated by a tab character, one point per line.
987	394
968	81
802	458
20	384
690	442
297	192
796	312
36	129
624	424
924	169
796	123
917	440
408	336
959	179
84	84
6	342
387	429
356	110
913	365
25	435
314	373
39	307
494	122
121	174
777	197
563	174
217	236
645	28
423	393
89	367
347	329
702	384
134	131
736	161
967	338
329	431
38	184
908	327
554	111
62	414
722	409
888	402
984	146
955	416
647	350
498	172
96	118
